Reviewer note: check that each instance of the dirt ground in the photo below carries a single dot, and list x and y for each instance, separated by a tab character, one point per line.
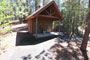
52	49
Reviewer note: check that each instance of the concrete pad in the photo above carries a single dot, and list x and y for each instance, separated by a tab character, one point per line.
32	50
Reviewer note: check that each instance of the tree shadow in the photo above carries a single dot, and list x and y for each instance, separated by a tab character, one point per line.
28	57
60	52
68	53
71	52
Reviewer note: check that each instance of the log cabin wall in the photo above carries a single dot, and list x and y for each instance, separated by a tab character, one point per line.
30	26
34	26
43	25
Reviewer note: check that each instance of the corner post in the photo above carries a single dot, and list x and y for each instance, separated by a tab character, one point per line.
52	26
59	28
36	26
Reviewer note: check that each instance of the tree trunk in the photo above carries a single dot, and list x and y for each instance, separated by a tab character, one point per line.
87	31
43	2
36	7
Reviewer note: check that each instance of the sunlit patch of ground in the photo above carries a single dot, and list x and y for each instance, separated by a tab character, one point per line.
8	40
7	45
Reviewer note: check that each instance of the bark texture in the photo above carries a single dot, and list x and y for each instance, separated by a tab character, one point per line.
87	31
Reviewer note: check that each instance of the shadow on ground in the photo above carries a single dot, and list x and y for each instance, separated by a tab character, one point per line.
62	50
24	38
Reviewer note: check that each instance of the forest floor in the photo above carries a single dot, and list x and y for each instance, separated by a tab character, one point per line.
52	49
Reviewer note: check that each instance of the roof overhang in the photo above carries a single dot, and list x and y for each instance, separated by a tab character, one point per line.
37	13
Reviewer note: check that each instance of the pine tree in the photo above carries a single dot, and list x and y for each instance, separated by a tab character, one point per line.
87	31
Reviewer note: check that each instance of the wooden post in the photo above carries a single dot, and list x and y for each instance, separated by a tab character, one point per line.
59	28
29	26
36	26
51	26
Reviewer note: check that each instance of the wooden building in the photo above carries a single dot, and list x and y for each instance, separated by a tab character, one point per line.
41	20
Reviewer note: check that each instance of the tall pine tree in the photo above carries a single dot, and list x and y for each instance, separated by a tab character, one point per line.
87	31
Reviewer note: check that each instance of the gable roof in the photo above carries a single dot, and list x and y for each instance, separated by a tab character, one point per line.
40	10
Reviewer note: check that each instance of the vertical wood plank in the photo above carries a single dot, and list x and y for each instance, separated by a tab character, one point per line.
36	26
59	27
51	26
29	26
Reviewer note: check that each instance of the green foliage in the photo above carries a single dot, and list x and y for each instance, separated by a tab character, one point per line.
21	8
56	23
5	14
74	13
5	30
